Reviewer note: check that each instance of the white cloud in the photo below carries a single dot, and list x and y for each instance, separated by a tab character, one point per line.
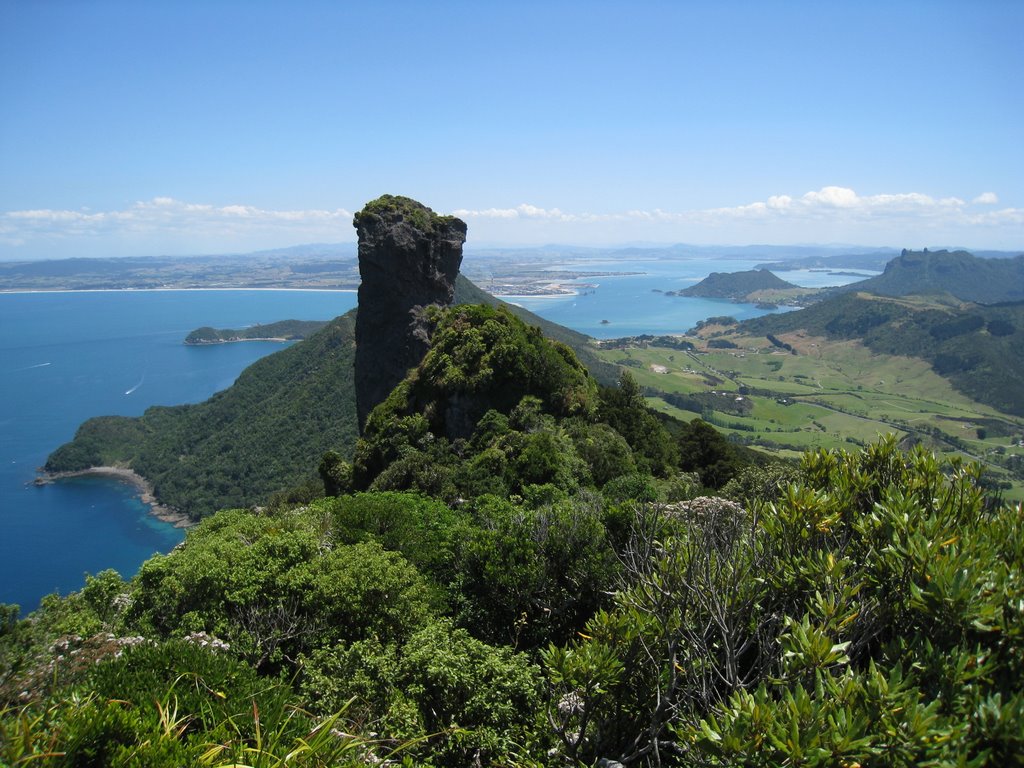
167	225
836	197
998	218
839	203
831	201
523	211
829	214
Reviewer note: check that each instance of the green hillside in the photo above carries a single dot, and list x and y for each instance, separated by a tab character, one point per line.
495	407
980	349
468	293
523	568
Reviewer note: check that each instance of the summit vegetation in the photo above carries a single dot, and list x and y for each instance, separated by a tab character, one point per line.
521	566
398	207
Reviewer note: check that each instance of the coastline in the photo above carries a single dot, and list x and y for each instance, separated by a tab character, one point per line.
130	477
553	292
144	290
207	343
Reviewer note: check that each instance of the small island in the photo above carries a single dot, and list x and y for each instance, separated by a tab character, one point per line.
734	285
283	330
754	286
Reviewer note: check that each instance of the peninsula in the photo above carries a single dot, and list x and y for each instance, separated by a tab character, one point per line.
283	330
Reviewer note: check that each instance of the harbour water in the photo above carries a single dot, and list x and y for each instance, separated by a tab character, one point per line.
634	304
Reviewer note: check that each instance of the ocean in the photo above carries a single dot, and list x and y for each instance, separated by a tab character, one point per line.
65	357
68	356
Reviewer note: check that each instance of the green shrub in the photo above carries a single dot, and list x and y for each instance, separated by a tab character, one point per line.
465	701
869	615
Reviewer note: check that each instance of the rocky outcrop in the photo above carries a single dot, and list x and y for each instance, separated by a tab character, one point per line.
409	258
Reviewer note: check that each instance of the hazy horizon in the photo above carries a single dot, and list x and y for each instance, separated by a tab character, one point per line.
470	249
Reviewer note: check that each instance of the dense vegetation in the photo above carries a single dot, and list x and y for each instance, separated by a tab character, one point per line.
290	330
404	208
869	613
468	293
496	408
979	348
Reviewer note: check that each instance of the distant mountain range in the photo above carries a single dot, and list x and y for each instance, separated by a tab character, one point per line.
957	273
874	261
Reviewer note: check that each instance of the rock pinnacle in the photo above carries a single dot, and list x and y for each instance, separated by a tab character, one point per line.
409	258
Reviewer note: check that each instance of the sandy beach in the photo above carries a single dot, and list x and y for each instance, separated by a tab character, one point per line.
133	478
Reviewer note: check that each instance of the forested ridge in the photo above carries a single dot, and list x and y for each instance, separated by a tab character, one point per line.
522	566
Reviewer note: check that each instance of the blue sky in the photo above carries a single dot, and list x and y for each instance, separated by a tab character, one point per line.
144	128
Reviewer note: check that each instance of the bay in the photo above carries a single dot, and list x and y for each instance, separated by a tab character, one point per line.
68	356
609	307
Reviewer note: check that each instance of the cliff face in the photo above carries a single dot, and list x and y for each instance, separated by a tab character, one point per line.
409	258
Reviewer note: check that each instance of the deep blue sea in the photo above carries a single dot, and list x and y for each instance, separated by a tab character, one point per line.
65	357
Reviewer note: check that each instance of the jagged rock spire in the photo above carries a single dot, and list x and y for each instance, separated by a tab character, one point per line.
409	258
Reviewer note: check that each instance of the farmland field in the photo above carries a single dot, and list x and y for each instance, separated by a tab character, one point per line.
822	393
